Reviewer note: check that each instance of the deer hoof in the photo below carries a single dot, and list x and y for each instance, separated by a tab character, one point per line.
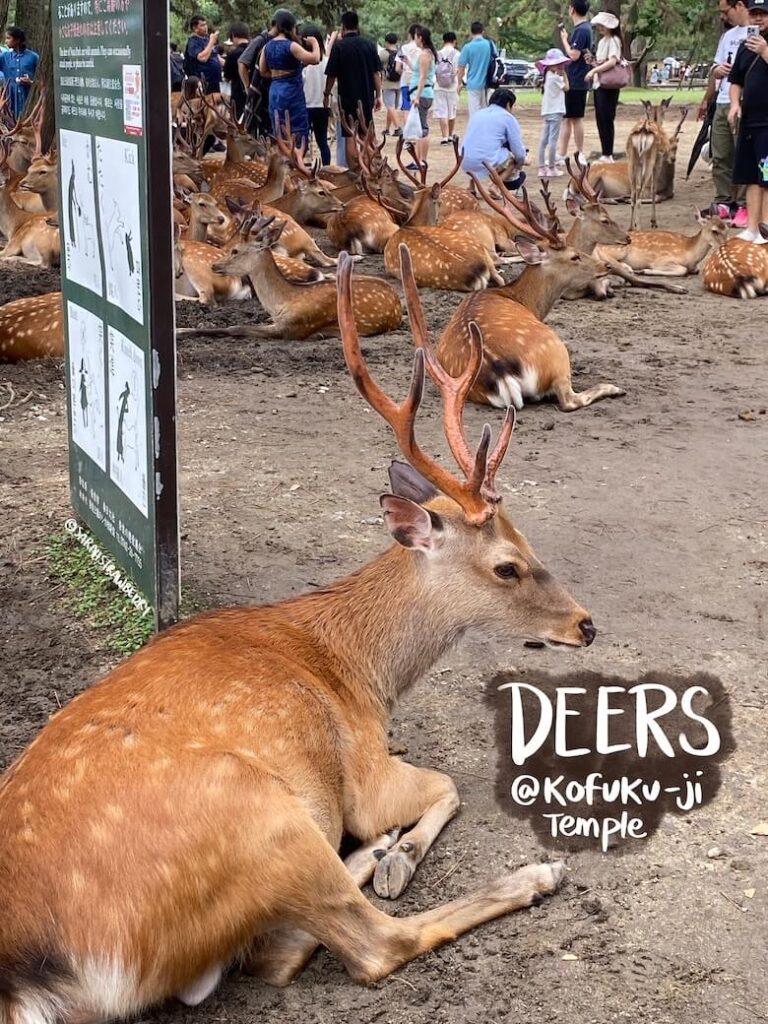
394	871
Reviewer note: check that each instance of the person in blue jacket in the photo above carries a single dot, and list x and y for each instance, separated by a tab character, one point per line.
18	65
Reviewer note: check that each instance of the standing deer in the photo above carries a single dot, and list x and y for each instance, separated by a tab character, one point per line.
648	145
523	358
188	809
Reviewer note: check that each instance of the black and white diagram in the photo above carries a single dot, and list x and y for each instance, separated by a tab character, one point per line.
86	371
127	418
117	172
79	232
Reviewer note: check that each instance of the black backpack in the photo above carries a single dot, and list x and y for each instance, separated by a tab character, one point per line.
495	74
177	68
390	72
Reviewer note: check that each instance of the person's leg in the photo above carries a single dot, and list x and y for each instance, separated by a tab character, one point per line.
319	117
405	95
564	140
453	103
543	143
473	102
555	121
422	146
601	119
722	148
613	105
578	135
754	207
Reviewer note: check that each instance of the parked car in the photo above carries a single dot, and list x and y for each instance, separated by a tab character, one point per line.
515	72
533	78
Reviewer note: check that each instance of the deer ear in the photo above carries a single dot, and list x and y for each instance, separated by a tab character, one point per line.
407	482
530	252
410	524
573	206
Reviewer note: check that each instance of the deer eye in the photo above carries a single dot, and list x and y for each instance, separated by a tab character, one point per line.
507	571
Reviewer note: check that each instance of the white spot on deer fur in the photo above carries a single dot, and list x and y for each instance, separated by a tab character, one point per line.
201	988
35	1008
107	987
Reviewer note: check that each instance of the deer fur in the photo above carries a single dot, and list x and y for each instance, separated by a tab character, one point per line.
738	269
667	253
32	328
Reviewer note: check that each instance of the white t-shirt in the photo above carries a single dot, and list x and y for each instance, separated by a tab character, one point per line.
314	83
411	52
609	46
448	53
553	100
729	43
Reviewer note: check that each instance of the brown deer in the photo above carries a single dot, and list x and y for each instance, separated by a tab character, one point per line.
647	146
442	258
454	199
667	253
362	226
298	310
738	269
188	810
523	358
32	329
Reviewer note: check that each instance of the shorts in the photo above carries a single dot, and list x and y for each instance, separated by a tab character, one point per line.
424	107
350	109
391	98
750	164
446	104
575	103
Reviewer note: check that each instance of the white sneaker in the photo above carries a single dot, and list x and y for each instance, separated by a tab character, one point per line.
604	160
748	236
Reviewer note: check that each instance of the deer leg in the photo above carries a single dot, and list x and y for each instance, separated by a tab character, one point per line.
262	331
404	794
569	400
628	275
278	957
654	223
667	270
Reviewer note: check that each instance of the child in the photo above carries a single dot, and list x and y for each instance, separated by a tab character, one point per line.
552	66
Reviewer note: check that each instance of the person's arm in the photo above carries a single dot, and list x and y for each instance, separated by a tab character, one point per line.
310	56
514	141
263	66
713	84
377	86
757	44
461	71
566	47
330	81
205	54
609	62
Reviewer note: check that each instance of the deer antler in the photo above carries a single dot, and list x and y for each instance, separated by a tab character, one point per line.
399	157
580	181
530	228
458	157
475	495
551	208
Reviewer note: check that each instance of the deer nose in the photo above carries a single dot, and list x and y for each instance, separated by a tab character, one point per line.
588	631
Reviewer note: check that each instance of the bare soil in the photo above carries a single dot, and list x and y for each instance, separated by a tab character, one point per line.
652	508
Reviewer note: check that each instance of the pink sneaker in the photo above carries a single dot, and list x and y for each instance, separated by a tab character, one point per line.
543	171
723	211
556	171
740	218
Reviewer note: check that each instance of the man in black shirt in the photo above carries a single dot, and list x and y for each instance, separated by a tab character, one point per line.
354	64
239	36
749	103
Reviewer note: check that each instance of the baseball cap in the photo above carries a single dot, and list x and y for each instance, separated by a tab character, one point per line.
757	5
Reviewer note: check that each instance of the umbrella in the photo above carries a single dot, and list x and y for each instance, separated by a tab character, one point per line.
701	138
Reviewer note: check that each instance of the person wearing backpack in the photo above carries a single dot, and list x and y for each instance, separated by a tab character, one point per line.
391	83
474	64
446	87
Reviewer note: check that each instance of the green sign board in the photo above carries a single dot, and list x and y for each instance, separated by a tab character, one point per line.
113	135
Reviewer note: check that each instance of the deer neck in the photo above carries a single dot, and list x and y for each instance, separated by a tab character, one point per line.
381	627
577	236
425	211
271	288
198	231
538	288
11	214
234	154
50	196
698	245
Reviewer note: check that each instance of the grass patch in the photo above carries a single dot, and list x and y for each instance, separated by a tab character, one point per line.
92	596
680	97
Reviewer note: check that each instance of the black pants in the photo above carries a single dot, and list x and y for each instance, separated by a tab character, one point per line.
606	101
318	122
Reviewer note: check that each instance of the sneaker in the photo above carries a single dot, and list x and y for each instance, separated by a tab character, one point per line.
604	160
412	167
560	160
397	132
723	211
543	171
556	171
740	218
747	236
446	142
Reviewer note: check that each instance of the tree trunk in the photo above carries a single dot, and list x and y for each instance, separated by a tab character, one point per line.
4	6
34	16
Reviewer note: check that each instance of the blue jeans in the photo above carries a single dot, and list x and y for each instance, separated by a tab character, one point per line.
549	136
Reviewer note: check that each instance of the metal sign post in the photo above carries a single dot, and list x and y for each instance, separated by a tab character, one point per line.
113	132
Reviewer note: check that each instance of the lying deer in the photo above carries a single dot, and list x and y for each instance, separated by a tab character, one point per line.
442	258
29	235
738	269
298	310
187	811
523	358
667	253
31	329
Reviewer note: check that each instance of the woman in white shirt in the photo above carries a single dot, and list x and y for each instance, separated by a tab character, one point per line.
555	86
314	88
606	100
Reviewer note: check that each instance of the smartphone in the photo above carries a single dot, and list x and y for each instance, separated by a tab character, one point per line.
753	30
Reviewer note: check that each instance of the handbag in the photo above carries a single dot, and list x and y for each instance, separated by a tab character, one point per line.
616	77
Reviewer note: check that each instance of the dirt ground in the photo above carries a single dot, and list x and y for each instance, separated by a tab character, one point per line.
652	508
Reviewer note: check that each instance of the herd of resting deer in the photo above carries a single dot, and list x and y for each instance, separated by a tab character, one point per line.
185	813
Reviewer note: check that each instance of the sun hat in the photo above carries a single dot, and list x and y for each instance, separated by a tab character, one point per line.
552	58
606	19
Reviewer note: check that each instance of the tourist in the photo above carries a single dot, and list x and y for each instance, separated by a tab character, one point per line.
201	59
474	61
314	89
282	59
353	64
408	53
239	37
391	83
749	108
577	47
18	64
447	87
493	137
553	66
422	87
606	98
